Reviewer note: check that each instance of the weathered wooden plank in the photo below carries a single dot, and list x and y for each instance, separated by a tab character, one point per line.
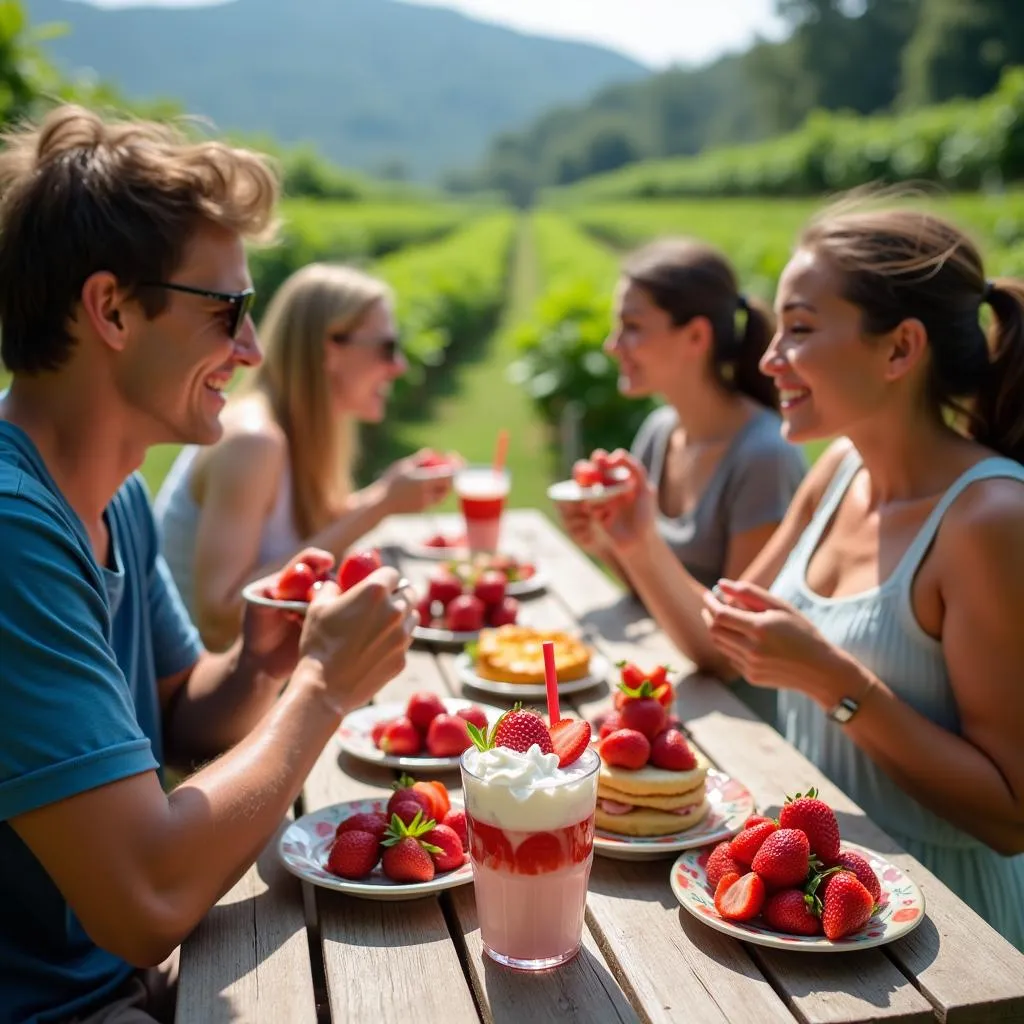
248	960
583	990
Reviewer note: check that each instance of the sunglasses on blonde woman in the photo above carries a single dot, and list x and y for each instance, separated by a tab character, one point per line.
389	348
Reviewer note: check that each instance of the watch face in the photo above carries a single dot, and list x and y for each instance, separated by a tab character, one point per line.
844	710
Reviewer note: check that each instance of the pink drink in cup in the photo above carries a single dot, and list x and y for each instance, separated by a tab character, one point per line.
531	840
482	492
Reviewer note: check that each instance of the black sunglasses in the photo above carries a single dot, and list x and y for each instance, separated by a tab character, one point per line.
389	348
241	303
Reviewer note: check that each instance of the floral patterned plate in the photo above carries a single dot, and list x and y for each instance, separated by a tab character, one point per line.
731	804
355	735
902	907
304	845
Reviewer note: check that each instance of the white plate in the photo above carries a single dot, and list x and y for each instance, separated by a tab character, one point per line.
731	804
417	549
252	594
354	734
902	908
568	492
600	667
304	845
431	473
434	635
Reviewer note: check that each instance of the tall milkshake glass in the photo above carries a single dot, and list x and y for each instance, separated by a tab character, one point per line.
531	839
482	492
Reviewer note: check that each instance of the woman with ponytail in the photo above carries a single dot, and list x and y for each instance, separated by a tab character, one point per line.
888	608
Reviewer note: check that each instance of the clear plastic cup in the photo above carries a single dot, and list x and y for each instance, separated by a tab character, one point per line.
482	492
532	847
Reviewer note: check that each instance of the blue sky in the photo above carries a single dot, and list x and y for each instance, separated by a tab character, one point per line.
655	32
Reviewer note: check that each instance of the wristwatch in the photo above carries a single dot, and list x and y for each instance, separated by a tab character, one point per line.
844	710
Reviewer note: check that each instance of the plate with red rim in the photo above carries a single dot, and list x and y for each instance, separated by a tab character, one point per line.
354	734
902	907
305	844
731	804
600	667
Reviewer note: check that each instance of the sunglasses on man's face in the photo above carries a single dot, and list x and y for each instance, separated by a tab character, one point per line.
241	303
389	349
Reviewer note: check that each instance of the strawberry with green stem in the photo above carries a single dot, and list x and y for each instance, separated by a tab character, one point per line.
407	856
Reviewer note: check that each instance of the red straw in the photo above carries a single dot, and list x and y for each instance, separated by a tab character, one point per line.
500	450
551	680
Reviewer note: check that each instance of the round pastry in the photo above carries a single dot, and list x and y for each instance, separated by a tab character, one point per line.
513	654
646	821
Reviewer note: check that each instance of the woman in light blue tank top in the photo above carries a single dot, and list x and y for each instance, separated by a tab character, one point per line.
888	609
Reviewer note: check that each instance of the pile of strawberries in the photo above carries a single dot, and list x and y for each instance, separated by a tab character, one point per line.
794	874
427	729
299	582
469	571
464	606
640	731
595	471
521	728
417	836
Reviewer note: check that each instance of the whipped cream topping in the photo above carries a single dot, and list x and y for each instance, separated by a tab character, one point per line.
528	791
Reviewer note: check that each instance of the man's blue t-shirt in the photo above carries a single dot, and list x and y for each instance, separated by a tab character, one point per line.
81	649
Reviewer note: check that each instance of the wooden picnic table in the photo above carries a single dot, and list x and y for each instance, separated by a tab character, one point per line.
277	951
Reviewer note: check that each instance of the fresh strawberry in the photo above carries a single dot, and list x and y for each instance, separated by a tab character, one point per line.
294	583
759	819
721	862
663	695
585	473
354	854
378	730
658	676
403	790
673	722
426	608
846	907
859	865
407	857
357	566
632	675
745	844
423	708
452	854
504	613
490	587
610	723
442	801
447	736
641	710
456	821
519	730
784	858
625	748
791	911
465	614
400	738
406	809
569	739
739	897
671	752
814	817
366	821
539	854
443	586
473	714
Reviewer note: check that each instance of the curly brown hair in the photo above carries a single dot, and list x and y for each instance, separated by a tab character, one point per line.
80	194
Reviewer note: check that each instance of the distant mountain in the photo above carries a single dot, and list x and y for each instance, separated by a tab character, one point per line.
370	82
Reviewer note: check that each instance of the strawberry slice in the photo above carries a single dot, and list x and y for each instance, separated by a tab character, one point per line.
569	739
739	898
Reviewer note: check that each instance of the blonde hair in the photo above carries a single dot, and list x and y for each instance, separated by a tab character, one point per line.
322	449
80	195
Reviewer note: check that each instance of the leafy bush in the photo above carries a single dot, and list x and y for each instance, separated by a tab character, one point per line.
964	144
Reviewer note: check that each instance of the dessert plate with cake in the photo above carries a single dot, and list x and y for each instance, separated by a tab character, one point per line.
509	661
656	795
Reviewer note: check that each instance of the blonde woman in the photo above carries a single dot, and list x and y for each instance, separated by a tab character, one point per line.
280	478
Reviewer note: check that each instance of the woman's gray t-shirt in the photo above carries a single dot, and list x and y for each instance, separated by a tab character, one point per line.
753	484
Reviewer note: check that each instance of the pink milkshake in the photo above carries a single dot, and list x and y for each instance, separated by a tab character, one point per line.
531	839
482	493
